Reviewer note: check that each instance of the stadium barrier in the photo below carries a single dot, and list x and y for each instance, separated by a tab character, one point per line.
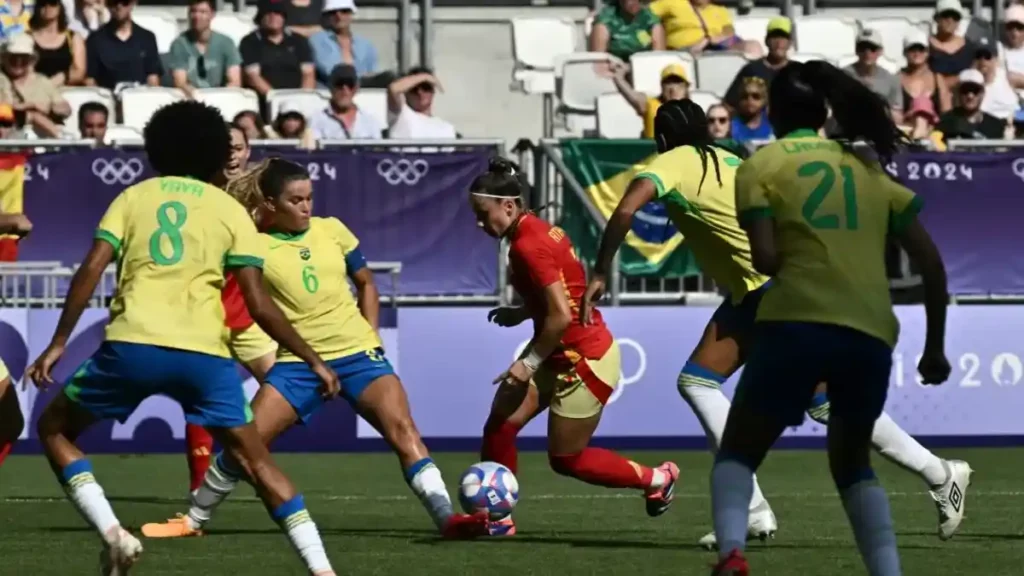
447	357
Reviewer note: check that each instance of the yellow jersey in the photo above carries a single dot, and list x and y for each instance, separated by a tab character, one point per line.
685	26
649	115
4	373
706	217
832	211
173	238
306	276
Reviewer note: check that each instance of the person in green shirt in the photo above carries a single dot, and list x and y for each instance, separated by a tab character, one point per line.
624	27
202	58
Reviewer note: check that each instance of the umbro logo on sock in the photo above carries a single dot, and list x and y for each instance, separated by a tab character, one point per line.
956	497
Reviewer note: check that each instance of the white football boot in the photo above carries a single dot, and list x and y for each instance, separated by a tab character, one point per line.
951	497
762	526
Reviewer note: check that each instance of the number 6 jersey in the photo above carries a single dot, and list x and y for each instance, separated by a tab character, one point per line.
173	238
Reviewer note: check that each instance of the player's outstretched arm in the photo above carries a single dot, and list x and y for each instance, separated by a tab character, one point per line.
918	244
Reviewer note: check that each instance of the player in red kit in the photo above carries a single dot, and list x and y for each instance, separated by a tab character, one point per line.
567	367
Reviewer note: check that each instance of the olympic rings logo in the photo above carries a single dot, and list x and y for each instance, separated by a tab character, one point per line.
624	380
402	171
116	170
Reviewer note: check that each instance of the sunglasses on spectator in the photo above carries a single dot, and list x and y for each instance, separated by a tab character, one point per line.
350	84
755	96
718	119
948	14
121	2
916	48
984	55
1015	26
423	87
970	89
867	47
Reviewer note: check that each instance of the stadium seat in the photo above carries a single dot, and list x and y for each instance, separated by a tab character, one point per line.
887	64
752	28
536	43
233	26
75	96
831	37
578	82
705	98
230	101
647	67
139	103
374	101
119	133
163	25
893	30
717	70
616	118
306	101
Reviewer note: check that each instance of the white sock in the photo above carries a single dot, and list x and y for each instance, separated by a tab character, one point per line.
704	395
868	510
731	486
302	532
220	480
900	448
87	496
426	482
658	478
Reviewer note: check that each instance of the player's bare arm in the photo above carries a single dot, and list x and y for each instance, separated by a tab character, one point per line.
367	296
557	318
761	233
918	244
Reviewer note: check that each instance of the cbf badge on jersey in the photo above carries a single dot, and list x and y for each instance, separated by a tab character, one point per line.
304	253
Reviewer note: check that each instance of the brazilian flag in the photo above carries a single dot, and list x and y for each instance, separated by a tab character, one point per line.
604	168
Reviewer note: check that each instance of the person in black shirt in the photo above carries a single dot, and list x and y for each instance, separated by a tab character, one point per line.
967	121
778	39
122	51
273	57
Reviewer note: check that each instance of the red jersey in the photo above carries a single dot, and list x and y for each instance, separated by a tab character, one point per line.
236	314
540	255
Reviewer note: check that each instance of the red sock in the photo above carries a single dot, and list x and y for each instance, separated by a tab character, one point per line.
603	468
5	449
200	446
500	444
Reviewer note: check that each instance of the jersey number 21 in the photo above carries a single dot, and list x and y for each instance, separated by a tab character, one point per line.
812	206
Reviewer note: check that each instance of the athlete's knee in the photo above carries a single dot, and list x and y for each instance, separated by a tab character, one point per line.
564	464
401	431
847	474
694	378
819	409
500	425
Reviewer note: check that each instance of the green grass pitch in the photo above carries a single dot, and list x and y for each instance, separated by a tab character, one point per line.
372	525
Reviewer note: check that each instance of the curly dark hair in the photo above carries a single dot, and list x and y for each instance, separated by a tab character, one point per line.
189	139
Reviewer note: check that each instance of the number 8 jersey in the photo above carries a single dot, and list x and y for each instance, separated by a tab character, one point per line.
832	212
173	238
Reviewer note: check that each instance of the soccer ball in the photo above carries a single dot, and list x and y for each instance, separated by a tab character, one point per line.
488	487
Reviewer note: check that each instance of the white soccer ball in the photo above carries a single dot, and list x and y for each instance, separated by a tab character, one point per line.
489	487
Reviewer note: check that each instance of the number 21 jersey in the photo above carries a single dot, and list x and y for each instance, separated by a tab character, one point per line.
173	238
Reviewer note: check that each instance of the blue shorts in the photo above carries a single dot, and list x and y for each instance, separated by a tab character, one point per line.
301	388
737	320
790	359
120	375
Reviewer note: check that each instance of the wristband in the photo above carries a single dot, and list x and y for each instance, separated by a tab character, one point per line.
532	360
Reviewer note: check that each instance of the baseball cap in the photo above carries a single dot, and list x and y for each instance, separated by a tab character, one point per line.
949	6
335	5
870	36
6	114
20	44
972	76
270	7
1014	13
343	74
915	37
674	71
780	25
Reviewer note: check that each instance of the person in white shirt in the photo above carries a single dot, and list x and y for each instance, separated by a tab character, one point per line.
410	108
342	119
1011	49
1001	100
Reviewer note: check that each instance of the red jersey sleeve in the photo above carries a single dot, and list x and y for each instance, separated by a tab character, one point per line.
236	314
540	263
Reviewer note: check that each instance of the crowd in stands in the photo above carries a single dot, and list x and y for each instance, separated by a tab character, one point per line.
51	48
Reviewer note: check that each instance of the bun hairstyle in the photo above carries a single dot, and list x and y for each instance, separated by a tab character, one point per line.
503	179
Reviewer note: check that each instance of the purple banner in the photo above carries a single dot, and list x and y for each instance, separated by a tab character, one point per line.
449	356
972	208
407	208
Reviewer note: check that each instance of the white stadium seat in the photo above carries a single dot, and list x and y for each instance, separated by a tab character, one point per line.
616	118
752	28
716	70
536	43
647	67
889	65
230	101
233	26
118	133
305	101
164	26
139	103
374	101
831	37
578	81
75	96
705	99
893	30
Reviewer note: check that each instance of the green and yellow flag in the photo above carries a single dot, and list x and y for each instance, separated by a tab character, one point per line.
605	168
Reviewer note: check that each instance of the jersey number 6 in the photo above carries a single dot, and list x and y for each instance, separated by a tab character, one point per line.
822	190
170	217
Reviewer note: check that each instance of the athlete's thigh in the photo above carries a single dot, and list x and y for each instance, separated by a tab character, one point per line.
384	403
581	391
786	363
298	385
254	349
272	413
726	341
858	377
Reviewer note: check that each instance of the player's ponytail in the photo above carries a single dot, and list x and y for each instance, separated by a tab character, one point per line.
684	123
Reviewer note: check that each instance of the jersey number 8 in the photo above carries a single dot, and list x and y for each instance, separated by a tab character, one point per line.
823	189
170	217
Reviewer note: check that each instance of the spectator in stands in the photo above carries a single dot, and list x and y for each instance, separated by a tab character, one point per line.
31	93
699	25
750	121
275	58
252	124
778	38
304	16
1001	100
719	122
91	15
342	119
868	48
917	79
919	122
411	107
624	27
968	120
92	121
202	58
1011	49
122	51
290	124
339	45
60	52
14	17
674	86
950	54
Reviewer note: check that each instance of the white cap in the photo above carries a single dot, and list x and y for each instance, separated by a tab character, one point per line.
332	5
972	76
20	44
870	36
915	37
1014	13
949	6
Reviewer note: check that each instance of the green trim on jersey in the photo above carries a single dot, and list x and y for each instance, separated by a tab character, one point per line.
669	196
109	238
242	262
802	133
898	221
288	235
